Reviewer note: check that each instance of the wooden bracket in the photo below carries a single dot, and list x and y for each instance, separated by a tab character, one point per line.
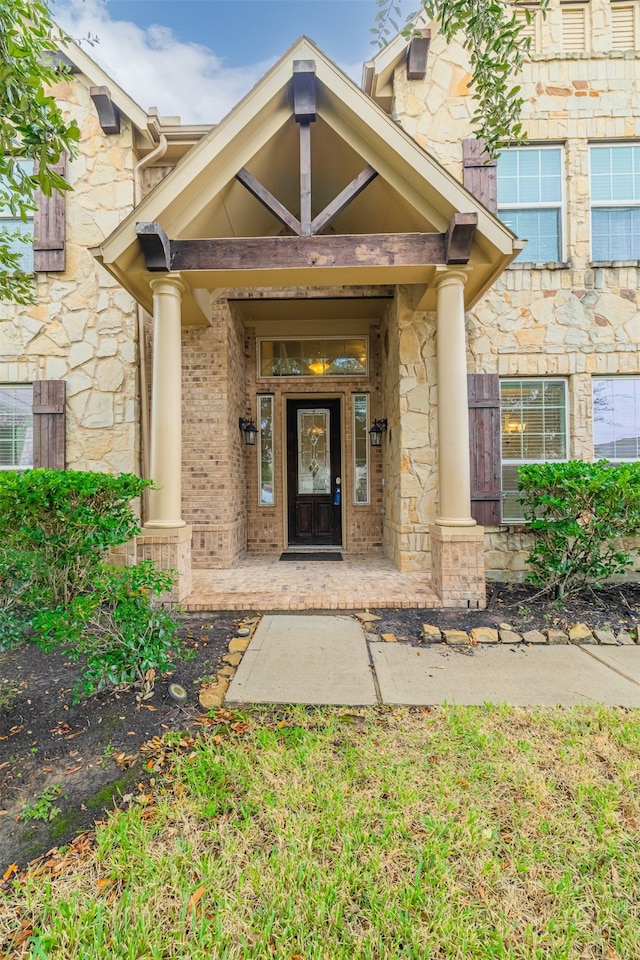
304	91
417	56
459	237
267	199
343	199
108	113
156	246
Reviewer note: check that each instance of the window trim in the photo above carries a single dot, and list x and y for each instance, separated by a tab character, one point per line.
518	463
259	399
560	205
609	204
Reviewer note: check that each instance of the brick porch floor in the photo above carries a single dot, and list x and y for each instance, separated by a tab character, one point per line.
260	582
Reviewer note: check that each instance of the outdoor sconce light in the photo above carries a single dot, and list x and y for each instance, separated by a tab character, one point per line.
379	427
250	431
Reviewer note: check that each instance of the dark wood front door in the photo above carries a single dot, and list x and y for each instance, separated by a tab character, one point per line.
314	472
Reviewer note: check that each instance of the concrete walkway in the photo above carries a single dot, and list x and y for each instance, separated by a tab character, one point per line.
327	660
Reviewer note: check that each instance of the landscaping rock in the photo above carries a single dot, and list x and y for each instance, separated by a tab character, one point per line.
557	636
625	638
431	634
534	636
238	645
389	637
232	658
484	635
506	626
605	637
227	671
580	633
367	617
455	637
213	696
509	636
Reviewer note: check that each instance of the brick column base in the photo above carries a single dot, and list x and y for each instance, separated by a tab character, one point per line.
457	558
170	550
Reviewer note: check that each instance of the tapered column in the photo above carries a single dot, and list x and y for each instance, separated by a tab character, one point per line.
453	414
165	461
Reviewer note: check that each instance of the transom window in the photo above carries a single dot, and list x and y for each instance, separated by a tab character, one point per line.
530	200
615	202
534	430
616	418
16	427
312	357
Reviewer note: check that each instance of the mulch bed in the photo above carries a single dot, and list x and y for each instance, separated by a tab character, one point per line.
92	750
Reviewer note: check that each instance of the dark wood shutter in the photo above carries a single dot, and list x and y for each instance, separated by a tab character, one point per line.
49	424
484	448
49	227
479	174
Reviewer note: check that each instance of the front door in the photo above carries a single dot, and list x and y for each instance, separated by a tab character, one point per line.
314	472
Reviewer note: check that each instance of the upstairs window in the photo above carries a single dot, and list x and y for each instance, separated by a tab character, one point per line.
615	202
530	200
20	231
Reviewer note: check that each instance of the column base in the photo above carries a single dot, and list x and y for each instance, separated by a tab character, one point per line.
458	571
170	549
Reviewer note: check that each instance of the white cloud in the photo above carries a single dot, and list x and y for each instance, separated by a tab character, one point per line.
158	69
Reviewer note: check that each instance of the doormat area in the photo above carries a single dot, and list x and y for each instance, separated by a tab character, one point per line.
311	556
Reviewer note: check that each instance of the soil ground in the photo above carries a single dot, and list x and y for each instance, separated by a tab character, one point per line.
88	755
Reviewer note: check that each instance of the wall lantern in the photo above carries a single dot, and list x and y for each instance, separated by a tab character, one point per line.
379	427
250	431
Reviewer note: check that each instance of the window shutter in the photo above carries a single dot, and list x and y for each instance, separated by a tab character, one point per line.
49	227
484	448
478	177
49	424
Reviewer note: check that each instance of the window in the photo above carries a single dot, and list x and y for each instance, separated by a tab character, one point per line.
311	357
21	232
265	456
616	418
534	429
16	427
530	200
615	202
361	448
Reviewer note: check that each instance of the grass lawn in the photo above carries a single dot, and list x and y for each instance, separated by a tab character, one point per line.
453	833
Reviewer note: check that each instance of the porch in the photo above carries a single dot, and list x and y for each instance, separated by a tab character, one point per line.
264	582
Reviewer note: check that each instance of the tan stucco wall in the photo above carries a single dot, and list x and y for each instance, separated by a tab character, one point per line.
571	321
82	327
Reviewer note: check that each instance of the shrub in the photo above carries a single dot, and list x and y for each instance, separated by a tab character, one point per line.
578	511
56	587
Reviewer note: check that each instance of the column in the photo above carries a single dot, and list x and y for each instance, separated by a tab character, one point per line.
453	414
457	542
165	461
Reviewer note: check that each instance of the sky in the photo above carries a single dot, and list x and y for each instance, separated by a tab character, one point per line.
197	58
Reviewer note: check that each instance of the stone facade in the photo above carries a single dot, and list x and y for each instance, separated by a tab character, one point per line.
572	319
82	327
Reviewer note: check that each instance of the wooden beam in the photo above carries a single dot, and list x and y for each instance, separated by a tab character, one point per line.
276	253
417	56
343	199
459	237
267	199
156	246
304	91
108	113
305	179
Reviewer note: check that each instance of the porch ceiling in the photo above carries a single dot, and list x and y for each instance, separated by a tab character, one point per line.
202	198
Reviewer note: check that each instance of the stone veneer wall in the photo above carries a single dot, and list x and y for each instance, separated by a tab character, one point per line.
82	327
410	403
362	523
214	470
575	319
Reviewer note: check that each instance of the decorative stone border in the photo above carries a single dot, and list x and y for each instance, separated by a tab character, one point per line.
212	696
578	633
